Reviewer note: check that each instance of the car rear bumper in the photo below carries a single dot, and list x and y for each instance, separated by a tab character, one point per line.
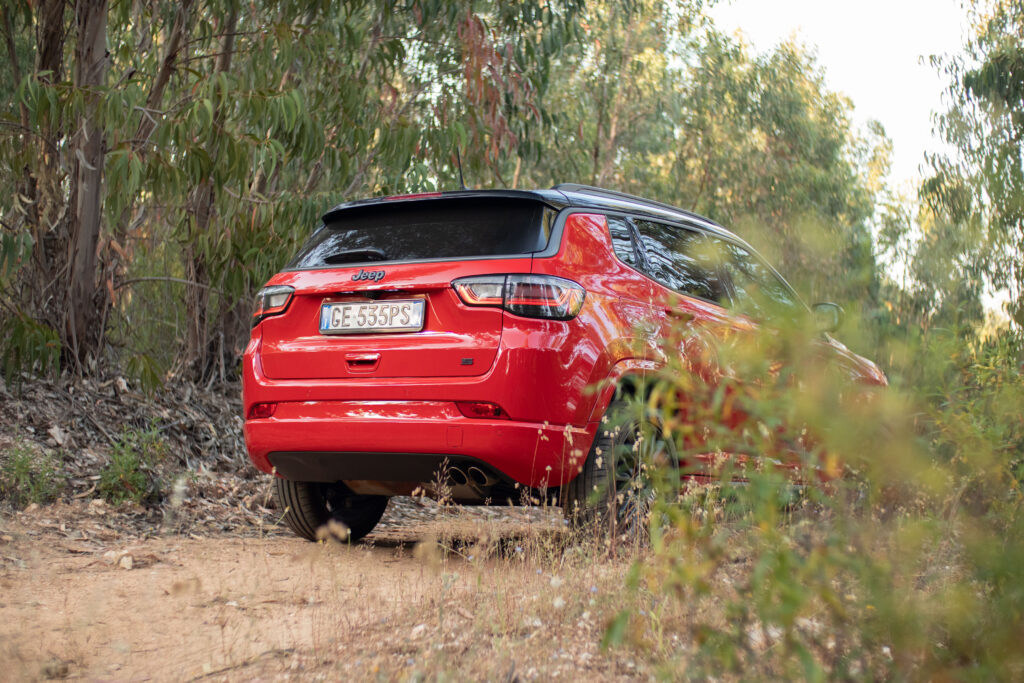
404	440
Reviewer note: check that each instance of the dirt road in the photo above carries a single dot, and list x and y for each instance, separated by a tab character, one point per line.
496	599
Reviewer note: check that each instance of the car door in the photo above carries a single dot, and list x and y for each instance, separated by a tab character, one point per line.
691	297
767	305
695	324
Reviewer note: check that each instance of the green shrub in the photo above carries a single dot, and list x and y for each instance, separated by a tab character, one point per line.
28	477
132	472
910	566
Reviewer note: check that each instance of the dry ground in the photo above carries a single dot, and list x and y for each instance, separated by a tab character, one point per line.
207	585
472	595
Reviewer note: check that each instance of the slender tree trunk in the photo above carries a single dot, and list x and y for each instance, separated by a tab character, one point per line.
173	45
85	300
201	206
12	55
43	183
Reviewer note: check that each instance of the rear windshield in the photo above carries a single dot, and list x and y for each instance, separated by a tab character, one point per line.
433	229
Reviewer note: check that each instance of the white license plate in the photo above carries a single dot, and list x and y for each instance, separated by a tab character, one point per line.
372	316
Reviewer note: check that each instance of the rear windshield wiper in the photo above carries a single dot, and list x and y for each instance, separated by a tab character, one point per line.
356	255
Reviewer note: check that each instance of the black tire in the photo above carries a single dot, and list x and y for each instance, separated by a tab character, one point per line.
614	491
309	506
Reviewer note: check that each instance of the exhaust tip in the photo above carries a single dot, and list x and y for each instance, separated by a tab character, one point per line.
479	477
457	476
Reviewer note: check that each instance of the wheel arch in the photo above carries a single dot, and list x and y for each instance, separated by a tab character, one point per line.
626	379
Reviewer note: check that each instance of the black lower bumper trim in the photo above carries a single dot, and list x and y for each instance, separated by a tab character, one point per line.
329	467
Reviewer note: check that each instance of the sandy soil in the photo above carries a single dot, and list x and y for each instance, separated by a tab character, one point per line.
273	607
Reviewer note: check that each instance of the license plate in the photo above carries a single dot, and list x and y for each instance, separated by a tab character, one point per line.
372	316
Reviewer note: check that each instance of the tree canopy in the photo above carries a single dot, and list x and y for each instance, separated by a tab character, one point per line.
166	158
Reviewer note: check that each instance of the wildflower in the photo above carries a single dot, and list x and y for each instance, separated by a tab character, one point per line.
558	602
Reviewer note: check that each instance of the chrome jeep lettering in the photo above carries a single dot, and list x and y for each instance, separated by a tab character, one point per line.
375	275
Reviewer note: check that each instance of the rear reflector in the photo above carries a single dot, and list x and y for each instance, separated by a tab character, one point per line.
531	296
481	409
262	410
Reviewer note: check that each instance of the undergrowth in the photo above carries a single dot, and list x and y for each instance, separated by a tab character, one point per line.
133	471
28	477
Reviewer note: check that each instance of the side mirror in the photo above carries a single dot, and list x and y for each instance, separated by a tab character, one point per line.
827	316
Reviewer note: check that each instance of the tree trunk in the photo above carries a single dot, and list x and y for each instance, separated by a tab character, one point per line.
147	120
85	300
197	358
43	184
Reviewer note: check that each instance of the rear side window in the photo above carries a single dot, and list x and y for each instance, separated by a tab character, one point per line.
432	229
756	288
622	241
680	259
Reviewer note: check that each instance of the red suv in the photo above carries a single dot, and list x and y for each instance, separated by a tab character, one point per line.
451	342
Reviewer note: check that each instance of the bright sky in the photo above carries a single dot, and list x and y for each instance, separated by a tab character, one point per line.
871	52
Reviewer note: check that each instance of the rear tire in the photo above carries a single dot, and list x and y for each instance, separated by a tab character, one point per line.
615	490
309	506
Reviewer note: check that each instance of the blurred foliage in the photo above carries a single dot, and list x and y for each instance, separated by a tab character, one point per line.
979	186
907	566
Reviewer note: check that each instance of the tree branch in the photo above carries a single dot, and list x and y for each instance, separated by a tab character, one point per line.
166	278
147	124
26	129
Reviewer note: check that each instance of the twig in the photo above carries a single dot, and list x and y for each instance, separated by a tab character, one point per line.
250	198
167	278
112	440
275	652
29	131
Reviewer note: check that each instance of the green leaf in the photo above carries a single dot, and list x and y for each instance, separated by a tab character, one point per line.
616	631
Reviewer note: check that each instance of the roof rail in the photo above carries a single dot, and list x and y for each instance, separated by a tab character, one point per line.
600	191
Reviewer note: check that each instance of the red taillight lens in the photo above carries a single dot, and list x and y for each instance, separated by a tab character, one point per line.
262	410
531	296
271	301
481	409
543	296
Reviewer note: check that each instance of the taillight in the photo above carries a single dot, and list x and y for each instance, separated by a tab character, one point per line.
271	301
531	296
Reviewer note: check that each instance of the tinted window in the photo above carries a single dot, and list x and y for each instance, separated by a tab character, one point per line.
622	240
757	289
679	259
432	229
